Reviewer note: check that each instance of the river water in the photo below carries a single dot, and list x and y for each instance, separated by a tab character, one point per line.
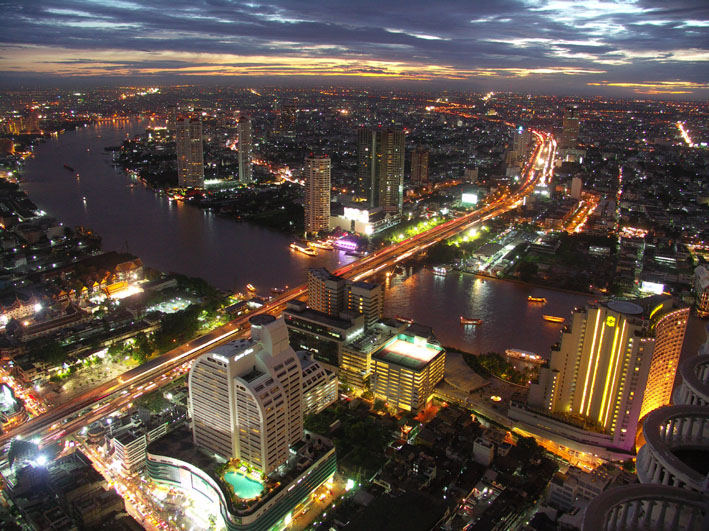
172	236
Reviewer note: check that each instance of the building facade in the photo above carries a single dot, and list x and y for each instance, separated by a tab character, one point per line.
419	166
245	149
190	155
380	171
317	194
596	379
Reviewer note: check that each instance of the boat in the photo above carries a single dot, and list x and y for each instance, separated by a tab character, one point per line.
67	167
469	321
440	271
537	299
524	355
321	245
278	291
250	287
404	319
305	250
553	318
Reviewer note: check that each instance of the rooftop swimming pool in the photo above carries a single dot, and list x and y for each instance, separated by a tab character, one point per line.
244	487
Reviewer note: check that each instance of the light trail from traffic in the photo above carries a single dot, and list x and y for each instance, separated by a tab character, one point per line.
118	392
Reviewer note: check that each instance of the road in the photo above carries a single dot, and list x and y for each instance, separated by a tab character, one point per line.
119	392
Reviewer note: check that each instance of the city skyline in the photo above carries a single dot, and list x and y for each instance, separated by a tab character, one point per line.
635	48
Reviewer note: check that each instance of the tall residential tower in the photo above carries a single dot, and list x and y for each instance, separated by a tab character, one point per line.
245	149
190	156
317	194
380	171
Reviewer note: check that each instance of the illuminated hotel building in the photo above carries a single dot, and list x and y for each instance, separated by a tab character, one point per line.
669	326
597	378
367	299
245	149
419	166
405	371
246	397
190	156
317	194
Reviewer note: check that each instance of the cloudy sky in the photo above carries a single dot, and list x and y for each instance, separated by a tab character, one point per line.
635	47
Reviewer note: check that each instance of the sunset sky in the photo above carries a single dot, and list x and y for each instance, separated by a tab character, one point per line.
587	47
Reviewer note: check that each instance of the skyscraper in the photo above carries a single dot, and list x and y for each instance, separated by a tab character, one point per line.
606	368
380	172
570	128
190	156
669	326
419	166
245	149
246	397
317	194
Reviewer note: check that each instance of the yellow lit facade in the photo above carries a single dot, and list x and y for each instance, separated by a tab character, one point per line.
669	337
597	376
406	370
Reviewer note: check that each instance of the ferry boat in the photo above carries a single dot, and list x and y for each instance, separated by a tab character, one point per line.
69	168
438	270
553	318
524	355
278	291
469	321
305	250
321	245
537	299
404	319
250	287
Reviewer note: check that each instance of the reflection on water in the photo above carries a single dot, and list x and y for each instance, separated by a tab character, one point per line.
508	319
167	235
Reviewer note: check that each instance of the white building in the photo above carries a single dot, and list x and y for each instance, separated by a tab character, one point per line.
247	396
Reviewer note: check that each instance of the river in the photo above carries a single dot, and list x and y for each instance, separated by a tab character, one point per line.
172	236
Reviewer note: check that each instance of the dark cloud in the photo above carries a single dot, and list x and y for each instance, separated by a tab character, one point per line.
648	39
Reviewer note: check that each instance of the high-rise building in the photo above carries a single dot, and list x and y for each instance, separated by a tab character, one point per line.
326	292
245	149
366	298
669	326
246	397
570	128
380	171
190	156
419	166
597	377
576	187
317	194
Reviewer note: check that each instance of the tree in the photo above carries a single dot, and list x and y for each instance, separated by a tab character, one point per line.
50	351
379	405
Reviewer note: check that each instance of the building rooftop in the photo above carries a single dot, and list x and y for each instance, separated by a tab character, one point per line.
412	352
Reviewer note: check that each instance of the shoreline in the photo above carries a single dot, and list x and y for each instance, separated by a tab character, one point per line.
529	284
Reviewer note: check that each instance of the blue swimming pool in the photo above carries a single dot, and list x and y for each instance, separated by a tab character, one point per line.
245	488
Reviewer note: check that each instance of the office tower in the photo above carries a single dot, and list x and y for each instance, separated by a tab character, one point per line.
570	128
598	376
380	171
326	292
244	132
669	327
246	397
190	157
419	166
366	298
317	194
